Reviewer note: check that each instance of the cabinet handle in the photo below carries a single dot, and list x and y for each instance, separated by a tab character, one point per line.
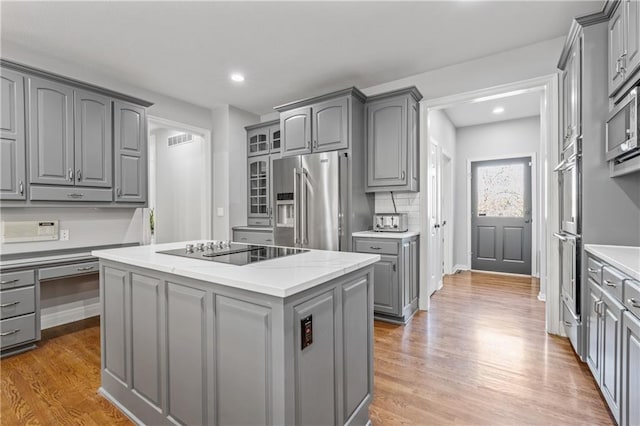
6	305
394	267
568	323
86	268
633	302
610	283
21	188
315	144
78	174
75	195
268	240
10	281
118	193
403	175
593	271
70	174
623	69
308	144
9	333
243	239
375	248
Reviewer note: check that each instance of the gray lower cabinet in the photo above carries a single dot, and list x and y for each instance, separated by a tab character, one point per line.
611	320
253	236
130	144
392	122
177	350
19	311
630	370
396	275
594	329
12	136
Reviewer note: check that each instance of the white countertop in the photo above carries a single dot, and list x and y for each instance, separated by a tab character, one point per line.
624	258
280	277
374	234
253	228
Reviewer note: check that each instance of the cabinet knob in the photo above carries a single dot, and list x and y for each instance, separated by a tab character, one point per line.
70	174
403	175
315	144
634	302
118	192
21	188
78	174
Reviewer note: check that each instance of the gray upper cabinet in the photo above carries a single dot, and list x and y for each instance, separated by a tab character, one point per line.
12	137
392	141
259	204
130	141
93	142
623	43
51	150
274	135
296	131
616	49
258	141
330	125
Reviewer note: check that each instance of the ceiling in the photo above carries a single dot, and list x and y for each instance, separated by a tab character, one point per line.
515	106
287	50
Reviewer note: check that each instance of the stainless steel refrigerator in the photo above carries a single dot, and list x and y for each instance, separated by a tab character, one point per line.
309	194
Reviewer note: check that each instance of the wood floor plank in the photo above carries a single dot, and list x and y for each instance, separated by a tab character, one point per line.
480	356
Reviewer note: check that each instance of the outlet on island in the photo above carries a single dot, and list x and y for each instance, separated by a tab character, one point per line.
64	235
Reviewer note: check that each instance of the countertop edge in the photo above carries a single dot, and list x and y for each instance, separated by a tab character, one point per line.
601	252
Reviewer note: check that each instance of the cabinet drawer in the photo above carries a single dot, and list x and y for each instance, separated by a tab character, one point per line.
53	193
631	291
17	301
376	246
594	270
252	237
612	281
14	331
252	221
570	322
68	270
17	279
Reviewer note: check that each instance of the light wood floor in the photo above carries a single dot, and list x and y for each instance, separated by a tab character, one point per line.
480	356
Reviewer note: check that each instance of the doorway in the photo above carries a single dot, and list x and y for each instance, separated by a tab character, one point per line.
179	183
501	215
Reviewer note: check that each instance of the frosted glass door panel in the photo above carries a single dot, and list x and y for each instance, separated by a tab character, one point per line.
501	190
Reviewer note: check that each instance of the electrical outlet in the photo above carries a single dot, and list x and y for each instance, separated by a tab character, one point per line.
220	211
64	235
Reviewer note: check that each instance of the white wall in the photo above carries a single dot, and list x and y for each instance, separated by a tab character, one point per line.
486	141
230	168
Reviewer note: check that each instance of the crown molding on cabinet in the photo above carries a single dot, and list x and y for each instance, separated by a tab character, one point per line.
412	90
585	21
353	91
263	124
5	63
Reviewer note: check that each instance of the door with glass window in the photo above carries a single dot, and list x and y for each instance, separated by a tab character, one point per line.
259	202
501	215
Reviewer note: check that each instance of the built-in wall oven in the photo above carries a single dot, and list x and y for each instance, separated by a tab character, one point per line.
569	179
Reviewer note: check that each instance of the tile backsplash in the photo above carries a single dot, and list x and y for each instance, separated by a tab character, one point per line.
406	202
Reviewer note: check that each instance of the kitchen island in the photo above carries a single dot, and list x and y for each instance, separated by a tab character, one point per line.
283	341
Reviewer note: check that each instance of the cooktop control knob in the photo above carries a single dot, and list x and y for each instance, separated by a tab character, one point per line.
189	248
200	246
210	245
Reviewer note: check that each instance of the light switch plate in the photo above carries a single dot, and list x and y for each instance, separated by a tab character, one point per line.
220	211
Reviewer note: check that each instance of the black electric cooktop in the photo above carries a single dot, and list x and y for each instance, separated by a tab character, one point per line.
232	253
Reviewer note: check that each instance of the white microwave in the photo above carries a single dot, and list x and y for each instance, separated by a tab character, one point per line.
622	129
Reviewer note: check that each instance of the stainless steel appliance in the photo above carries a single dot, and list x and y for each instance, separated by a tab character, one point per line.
232	253
309	191
622	129
390	222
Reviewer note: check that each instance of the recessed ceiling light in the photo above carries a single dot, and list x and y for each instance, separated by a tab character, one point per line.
498	110
237	77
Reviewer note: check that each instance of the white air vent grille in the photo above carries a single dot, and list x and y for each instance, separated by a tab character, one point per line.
179	139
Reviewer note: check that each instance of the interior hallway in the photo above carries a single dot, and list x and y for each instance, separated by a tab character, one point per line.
481	357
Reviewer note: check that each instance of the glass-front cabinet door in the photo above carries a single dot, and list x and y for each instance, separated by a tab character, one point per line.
258	179
258	141
275	138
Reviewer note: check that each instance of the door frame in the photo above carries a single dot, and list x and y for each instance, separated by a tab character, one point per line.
207	187
449	206
549	202
534	208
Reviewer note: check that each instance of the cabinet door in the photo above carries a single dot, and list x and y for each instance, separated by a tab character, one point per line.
615	31
413	152
592	320
93	144
610	384
315	364
130	140
566	95
276	141
12	136
258	141
574	92
632	36
296	131
405	277
258	180
187	354
387	143
415	267
630	370
331	125
386	286
50	132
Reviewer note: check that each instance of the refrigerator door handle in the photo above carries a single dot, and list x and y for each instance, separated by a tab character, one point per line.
296	217
303	207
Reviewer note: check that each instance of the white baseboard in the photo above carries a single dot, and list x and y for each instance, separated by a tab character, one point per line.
542	297
458	268
69	315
